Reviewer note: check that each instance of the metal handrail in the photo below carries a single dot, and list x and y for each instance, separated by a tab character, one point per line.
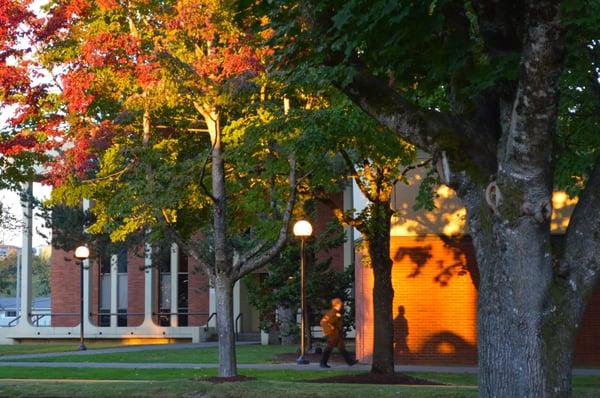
37	318
180	313
208	321
117	313
238	330
57	314
13	321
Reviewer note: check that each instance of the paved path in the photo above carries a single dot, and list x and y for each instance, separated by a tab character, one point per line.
14	360
113	350
266	366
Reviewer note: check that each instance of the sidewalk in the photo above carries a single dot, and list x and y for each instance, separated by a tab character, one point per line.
14	360
114	350
266	366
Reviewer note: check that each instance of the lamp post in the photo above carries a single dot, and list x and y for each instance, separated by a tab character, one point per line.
302	230
82	253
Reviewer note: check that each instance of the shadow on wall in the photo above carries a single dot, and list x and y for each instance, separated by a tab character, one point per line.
435	280
461	262
441	348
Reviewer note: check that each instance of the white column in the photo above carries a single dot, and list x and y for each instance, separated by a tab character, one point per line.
148	285
348	230
174	284
212	305
26	253
114	289
236	303
87	279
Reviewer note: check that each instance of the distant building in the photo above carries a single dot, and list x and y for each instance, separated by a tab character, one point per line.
7	250
40	314
44	251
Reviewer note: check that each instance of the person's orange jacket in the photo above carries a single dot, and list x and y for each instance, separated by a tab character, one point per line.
332	322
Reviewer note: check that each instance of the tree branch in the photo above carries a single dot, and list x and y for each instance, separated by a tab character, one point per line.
413	167
500	25
339	213
203	173
528	149
429	130
582	239
354	174
254	262
189	249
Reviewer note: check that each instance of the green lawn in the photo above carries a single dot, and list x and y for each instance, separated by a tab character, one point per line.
16	349
90	382
245	354
184	383
252	389
83	382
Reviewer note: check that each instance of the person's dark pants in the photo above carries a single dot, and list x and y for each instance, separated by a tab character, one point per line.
335	340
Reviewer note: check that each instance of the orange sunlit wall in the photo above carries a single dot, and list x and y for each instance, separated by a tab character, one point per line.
435	282
435	301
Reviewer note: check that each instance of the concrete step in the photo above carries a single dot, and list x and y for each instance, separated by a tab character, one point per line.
249	336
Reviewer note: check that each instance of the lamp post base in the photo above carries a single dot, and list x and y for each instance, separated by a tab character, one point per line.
302	361
82	347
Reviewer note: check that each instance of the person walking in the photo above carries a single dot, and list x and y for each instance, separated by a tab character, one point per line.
332	325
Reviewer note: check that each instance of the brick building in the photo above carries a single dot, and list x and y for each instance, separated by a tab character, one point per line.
435	281
159	293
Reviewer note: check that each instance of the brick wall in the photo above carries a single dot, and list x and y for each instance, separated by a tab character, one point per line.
198	294
323	216
435	297
135	287
587	345
64	282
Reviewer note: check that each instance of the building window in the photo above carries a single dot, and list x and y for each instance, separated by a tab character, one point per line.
182	290
162	259
11	314
122	292
104	290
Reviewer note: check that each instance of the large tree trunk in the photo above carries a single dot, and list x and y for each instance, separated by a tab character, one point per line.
225	329
527	318
515	266
378	241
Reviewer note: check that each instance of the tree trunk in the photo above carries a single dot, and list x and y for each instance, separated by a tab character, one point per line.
286	320
526	324
378	241
225	329
223	254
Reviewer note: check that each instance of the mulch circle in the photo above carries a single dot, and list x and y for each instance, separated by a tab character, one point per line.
221	380
369	378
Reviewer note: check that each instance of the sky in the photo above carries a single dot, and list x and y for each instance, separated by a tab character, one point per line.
10	199
14	236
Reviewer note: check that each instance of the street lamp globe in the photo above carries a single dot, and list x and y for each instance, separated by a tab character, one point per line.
303	229
82	253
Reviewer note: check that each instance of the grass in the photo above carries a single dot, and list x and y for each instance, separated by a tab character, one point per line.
252	389
89	382
101	382
183	382
245	354
17	349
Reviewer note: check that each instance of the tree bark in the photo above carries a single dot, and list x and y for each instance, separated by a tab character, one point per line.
223	255
378	241
515	266
286	319
225	328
